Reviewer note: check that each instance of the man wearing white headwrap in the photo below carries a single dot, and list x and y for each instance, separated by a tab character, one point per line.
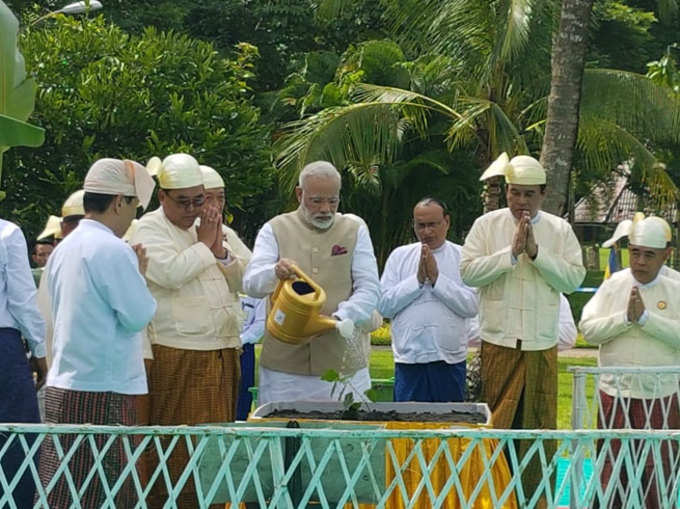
521	258
100	304
195	275
622	230
634	317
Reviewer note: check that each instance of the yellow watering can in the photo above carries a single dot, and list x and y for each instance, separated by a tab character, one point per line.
295	314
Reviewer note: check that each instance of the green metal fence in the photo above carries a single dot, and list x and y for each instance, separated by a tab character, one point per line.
292	468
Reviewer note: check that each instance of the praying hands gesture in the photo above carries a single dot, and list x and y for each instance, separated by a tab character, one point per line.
427	268
523	241
210	230
636	307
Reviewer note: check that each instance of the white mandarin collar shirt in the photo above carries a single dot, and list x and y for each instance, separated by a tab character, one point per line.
100	304
428	322
18	307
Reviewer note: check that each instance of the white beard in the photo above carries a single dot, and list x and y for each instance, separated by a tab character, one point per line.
321	224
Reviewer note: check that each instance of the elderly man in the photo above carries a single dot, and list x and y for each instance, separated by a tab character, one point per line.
521	258
18	316
424	295
195	271
101	304
335	251
635	319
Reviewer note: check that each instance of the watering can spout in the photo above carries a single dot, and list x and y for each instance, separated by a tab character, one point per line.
320	324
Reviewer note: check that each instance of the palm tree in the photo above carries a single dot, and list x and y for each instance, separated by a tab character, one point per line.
482	88
561	126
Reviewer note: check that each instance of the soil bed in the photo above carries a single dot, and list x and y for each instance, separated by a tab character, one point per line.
371	415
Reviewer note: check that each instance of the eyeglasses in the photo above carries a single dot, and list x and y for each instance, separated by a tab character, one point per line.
186	203
318	200
425	226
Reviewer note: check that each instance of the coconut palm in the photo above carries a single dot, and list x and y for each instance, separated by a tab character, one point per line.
484	93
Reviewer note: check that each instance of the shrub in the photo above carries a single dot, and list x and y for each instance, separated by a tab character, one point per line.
103	93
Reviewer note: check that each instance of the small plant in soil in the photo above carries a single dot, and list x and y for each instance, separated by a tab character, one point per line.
343	387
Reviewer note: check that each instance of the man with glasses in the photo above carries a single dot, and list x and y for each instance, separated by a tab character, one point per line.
424	295
195	276
336	252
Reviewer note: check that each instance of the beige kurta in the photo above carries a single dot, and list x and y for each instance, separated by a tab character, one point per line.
622	343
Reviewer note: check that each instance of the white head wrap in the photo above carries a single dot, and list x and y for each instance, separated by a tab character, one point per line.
211	179
622	230
115	176
73	206
520	170
649	231
177	171
52	227
642	231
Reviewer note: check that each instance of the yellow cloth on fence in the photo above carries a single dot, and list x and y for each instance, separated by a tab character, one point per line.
470	474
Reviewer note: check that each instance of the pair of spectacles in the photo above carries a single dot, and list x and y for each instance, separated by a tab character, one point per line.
187	203
425	226
318	200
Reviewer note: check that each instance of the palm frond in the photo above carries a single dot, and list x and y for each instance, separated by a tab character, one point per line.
632	101
604	144
517	29
391	95
359	136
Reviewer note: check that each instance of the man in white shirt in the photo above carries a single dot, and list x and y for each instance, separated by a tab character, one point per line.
634	317
18	316
521	259
100	304
334	250
424	296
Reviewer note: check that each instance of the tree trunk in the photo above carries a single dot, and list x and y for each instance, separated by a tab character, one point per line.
561	129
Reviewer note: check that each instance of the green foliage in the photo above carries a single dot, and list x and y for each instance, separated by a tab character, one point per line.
664	72
622	38
104	93
381	63
17	92
281	30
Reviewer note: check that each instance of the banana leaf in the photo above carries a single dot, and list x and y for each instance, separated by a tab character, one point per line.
17	91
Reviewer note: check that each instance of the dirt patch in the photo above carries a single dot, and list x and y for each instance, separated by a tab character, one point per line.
370	415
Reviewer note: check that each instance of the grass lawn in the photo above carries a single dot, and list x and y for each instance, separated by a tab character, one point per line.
382	367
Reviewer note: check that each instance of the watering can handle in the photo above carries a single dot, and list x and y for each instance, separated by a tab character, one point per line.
307	279
301	275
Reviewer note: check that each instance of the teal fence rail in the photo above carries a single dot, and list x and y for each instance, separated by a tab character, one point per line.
276	467
626	398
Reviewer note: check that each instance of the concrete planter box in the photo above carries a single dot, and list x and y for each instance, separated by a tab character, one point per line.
265	411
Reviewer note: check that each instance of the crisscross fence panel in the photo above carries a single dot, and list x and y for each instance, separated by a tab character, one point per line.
357	467
627	398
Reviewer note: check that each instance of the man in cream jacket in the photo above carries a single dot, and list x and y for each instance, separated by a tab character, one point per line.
195	271
521	258
635	319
